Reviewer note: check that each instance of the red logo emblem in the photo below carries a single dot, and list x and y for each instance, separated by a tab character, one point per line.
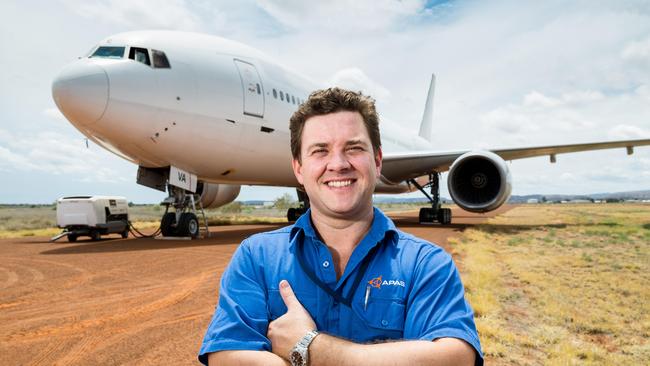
375	282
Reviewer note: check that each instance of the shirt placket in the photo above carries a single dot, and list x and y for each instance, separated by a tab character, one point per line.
328	276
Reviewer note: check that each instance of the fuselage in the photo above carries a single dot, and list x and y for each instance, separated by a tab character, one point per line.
207	105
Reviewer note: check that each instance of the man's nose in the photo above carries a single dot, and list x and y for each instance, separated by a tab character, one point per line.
338	161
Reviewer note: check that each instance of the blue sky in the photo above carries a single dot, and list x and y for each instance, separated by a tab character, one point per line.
509	74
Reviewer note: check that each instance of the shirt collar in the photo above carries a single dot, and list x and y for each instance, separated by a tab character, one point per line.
380	228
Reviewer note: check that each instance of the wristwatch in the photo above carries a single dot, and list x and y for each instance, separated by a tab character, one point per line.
299	354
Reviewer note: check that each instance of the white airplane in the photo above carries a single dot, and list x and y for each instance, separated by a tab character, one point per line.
202	115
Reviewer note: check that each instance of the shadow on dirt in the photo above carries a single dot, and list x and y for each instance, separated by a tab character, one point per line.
137	244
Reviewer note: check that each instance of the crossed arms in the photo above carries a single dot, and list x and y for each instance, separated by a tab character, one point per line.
285	331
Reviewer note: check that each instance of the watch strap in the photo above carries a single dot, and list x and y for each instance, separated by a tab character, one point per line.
305	341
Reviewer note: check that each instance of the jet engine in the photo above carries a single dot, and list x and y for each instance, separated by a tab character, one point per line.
479	181
216	195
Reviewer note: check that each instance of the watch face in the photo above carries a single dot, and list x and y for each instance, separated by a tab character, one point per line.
296	358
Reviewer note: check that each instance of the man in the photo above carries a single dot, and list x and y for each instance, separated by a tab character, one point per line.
342	286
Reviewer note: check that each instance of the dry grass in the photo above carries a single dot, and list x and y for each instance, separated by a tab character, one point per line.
40	220
562	284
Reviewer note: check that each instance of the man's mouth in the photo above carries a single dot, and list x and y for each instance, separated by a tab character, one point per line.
339	183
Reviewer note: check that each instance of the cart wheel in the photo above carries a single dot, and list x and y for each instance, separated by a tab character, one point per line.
94	235
72	238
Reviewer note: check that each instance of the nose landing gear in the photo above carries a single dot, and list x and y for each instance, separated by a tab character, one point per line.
183	222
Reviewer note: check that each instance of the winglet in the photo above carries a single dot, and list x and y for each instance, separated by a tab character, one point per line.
427	117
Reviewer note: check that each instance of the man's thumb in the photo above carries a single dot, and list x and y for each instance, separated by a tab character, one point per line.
288	296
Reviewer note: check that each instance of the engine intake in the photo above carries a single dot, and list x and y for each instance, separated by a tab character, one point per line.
215	195
479	181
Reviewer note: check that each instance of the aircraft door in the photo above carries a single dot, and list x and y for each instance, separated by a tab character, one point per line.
252	88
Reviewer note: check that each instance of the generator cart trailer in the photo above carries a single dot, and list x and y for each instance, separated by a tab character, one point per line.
92	216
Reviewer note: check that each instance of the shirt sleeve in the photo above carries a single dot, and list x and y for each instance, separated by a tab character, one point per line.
240	320
436	305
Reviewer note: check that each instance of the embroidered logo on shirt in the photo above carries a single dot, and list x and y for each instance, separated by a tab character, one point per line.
377	282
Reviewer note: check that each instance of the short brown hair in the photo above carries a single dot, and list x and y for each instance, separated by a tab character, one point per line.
331	100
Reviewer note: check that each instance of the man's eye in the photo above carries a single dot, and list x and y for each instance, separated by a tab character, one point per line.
356	148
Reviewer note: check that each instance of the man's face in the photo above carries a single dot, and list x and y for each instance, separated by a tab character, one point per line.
338	167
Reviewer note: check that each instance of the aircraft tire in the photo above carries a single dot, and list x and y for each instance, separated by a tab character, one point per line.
444	216
291	214
188	225
166	223
426	215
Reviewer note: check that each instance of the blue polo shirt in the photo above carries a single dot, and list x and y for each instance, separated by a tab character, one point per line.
413	289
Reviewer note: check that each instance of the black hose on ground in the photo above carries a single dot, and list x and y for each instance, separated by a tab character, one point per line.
138	234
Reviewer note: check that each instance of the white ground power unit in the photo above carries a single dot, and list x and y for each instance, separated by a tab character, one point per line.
92	216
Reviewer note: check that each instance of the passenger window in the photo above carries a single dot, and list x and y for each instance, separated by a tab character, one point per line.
275	94
288	100
160	60
293	100
258	88
281	95
109	52
140	55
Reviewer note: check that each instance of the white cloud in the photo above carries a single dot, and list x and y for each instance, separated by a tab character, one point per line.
355	79
628	132
576	116
341	16
55	114
637	51
53	153
537	99
141	14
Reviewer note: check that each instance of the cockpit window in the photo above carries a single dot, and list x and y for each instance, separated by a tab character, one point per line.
109	52
160	60
140	55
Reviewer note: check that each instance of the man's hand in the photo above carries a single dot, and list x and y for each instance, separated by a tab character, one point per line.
285	331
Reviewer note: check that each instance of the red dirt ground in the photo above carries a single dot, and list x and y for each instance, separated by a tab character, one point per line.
128	301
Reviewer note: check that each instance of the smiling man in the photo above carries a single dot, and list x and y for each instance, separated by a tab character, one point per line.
343	286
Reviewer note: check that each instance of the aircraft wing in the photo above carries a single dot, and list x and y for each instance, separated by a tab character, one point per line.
398	167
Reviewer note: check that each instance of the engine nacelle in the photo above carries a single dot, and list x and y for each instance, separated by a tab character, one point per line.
479	181
216	195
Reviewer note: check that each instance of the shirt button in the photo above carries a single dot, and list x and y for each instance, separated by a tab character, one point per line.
326	264
384	322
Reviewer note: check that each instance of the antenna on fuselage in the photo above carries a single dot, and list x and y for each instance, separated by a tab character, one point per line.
427	117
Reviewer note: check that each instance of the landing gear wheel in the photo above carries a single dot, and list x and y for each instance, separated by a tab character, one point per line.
166	224
94	235
444	216
188	225
293	214
426	215
72	238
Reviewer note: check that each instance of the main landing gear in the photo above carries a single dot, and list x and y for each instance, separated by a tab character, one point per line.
295	212
183	221
435	212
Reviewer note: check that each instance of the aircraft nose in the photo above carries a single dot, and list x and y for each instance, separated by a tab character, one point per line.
81	92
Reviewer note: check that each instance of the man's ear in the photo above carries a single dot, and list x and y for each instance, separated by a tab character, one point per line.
378	161
297	170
